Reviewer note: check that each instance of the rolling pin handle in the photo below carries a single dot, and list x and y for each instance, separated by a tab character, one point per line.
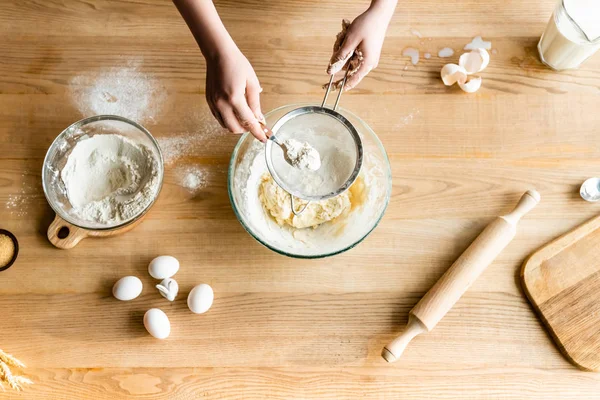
394	350
528	201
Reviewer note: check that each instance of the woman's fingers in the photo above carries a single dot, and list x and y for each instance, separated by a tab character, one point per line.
216	114
253	91
230	120
240	113
238	117
357	77
368	64
248	120
341	57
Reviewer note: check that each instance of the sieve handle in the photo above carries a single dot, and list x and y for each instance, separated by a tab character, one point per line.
337	100
296	213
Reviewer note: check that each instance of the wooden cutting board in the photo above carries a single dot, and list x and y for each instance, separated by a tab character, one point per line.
562	281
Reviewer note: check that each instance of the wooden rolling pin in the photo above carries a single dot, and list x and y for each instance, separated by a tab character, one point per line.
461	275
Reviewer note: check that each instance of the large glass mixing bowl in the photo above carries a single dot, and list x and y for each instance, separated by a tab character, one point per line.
375	185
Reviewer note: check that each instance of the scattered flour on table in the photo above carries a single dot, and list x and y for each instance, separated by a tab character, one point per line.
407	119
126	92
399	120
427	56
193	181
110	179
204	131
193	178
19	203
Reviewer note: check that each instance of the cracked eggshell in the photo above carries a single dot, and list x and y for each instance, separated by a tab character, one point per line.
168	288
163	267
127	288
472	85
157	323
452	73
200	298
474	61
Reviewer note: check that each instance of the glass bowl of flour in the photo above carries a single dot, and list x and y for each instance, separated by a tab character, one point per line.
103	173
325	228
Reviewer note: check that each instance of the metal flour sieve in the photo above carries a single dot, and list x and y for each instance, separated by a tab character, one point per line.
332	135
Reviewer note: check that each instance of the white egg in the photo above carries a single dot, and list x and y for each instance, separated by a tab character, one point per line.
157	323
127	288
200	298
163	267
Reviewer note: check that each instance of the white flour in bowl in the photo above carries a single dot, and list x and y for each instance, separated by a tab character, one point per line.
110	179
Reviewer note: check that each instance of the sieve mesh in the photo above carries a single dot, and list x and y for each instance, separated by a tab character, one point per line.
337	142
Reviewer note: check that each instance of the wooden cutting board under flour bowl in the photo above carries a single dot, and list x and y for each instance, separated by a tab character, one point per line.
562	281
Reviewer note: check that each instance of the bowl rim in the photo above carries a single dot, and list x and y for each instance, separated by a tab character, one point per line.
79	124
234	154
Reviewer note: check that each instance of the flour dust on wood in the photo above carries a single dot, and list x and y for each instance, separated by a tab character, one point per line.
125	91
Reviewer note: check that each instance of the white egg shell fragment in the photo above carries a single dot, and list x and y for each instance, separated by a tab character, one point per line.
474	61
472	85
452	73
157	323
168	288
163	267
127	288
200	298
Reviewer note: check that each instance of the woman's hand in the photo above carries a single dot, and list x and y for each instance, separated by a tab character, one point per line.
363	39
233	93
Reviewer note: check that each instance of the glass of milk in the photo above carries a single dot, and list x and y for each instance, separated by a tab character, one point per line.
572	34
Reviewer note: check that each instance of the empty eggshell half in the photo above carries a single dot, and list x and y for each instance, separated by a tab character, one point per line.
474	61
472	85
452	73
168	288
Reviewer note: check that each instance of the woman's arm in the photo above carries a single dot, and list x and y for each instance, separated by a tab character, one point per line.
203	20
232	88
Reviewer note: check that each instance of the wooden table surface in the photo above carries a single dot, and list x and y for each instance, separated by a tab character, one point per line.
282	328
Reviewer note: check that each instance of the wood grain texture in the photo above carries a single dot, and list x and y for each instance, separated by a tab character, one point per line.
283	328
562	280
